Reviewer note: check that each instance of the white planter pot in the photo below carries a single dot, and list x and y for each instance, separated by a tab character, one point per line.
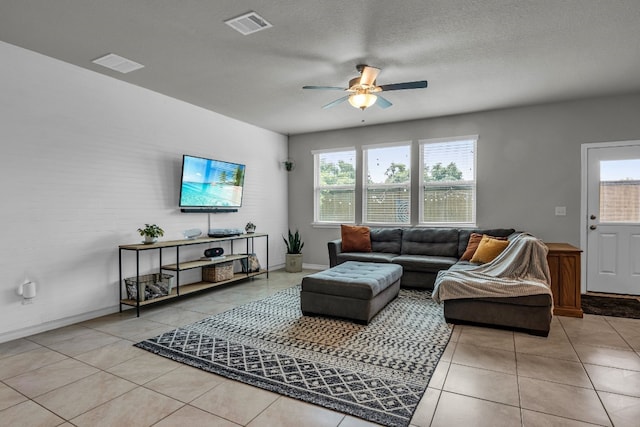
293	263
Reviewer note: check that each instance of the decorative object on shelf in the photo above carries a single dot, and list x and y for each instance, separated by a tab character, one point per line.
293	258
250	264
218	273
149	286
192	233
151	232
250	227
289	165
224	232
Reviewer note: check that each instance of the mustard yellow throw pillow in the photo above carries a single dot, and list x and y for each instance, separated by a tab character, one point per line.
488	249
472	246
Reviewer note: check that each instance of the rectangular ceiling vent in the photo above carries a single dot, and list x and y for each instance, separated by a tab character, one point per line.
248	23
117	63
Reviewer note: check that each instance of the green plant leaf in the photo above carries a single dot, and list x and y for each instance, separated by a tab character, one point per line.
151	230
294	243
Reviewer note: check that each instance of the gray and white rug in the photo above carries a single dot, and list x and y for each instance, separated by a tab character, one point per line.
376	372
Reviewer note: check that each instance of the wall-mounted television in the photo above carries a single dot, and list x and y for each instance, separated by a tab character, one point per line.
209	183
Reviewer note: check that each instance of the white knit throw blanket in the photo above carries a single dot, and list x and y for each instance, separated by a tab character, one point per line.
520	270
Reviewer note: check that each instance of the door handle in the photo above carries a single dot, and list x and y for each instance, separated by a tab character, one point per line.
592	227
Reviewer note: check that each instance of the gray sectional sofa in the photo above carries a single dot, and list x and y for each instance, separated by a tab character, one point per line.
423	252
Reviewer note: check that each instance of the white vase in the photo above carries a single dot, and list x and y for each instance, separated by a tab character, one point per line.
149	239
293	263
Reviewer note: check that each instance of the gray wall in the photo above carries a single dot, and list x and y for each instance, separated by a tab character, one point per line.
528	163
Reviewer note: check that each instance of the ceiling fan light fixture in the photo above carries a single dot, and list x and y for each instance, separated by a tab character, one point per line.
361	89
362	100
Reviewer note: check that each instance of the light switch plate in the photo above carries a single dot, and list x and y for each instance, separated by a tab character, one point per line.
561	210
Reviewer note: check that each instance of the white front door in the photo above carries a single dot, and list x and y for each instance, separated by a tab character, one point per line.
613	218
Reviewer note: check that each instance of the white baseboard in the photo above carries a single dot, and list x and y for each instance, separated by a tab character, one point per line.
43	327
304	266
54	324
314	266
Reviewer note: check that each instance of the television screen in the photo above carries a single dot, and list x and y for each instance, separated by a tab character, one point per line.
208	183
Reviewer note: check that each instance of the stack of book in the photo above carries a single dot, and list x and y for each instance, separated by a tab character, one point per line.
212	258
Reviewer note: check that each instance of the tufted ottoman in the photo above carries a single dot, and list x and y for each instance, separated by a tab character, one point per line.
354	290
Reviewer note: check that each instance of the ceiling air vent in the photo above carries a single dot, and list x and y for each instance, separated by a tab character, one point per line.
248	23
117	63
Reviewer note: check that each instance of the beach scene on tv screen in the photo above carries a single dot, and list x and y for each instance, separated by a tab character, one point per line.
208	182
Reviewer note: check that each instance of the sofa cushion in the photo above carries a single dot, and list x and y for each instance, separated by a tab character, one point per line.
463	265
355	238
540	300
424	263
430	241
465	233
365	257
387	240
488	249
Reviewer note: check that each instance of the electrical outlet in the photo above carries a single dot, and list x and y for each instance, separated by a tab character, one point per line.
561	210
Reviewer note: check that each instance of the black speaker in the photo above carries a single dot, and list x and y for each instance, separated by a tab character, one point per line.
213	252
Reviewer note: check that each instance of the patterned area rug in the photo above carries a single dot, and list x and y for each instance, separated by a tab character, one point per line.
611	306
377	372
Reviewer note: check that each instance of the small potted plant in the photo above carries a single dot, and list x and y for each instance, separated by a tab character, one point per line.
293	261
250	227
151	232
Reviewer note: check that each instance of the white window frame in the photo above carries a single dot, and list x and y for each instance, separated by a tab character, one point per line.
473	183
366	186
317	188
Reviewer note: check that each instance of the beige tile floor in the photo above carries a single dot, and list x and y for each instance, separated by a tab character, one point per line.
587	372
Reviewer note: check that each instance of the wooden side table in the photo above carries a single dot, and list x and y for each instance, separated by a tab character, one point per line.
564	264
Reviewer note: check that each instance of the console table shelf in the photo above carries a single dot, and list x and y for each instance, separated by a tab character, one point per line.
188	265
180	290
191	288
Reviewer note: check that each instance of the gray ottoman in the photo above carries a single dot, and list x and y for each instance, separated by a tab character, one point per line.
353	290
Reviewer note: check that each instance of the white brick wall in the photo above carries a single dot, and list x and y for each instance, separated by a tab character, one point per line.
84	161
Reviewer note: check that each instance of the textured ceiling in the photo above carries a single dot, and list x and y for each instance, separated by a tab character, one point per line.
476	55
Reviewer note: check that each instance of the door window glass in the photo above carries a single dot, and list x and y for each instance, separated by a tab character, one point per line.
620	190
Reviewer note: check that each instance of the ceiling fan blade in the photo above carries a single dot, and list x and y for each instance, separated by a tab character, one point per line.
383	102
323	87
336	102
369	75
407	85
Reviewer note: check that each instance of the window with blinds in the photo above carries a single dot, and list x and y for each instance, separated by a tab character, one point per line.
335	186
448	181
387	184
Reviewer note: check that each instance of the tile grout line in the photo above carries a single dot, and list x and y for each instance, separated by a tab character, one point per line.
587	373
445	376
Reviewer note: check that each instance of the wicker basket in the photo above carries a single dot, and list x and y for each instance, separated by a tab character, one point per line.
218	272
150	286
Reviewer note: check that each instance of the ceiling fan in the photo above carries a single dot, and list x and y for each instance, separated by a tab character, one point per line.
363	89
